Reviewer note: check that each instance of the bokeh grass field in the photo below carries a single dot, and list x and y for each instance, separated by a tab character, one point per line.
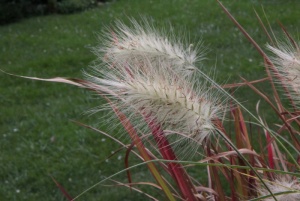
38	139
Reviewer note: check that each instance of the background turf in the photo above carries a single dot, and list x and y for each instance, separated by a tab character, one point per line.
37	137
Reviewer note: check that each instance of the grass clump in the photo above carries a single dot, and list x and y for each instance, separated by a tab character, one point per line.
39	140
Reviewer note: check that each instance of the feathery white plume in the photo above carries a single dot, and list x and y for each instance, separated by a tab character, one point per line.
287	62
173	102
132	45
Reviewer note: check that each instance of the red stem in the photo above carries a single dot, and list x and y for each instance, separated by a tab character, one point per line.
178	173
270	150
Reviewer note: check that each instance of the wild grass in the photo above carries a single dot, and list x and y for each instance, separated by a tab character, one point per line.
38	138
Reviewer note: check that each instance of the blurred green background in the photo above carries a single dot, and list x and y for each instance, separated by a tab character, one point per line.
38	140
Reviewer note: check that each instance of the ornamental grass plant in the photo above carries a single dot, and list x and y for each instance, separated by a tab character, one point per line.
176	116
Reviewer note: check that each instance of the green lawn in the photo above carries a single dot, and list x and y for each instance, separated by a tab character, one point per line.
37	137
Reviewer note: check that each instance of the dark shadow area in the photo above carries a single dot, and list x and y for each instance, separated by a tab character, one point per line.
12	11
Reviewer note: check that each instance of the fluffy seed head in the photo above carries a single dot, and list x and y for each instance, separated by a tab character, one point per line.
281	185
133	45
172	101
287	63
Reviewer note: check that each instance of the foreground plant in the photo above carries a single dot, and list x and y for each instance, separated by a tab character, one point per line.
171	110
145	76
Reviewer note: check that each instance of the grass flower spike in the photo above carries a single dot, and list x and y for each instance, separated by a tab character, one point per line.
134	44
287	62
160	94
283	186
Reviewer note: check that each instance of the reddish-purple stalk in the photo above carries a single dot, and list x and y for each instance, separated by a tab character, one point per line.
144	154
177	171
61	188
270	151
